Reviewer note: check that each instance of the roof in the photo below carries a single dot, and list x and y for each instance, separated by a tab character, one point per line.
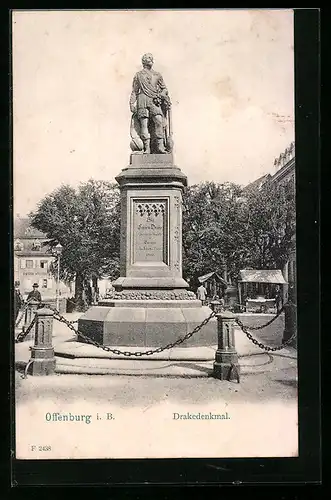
206	277
28	236
257	184
286	171
274	276
23	229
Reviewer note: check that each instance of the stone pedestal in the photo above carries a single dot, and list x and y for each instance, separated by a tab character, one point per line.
42	353
151	305
29	315
226	366
151	224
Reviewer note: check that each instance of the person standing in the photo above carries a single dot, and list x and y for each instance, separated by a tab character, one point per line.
278	299
34	294
202	294
18	299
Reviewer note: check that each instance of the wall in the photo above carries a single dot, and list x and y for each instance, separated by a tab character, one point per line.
27	275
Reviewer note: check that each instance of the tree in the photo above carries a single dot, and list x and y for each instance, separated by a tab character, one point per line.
214	230
86	222
272	222
226	228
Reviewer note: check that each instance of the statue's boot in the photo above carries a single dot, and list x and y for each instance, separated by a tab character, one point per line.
147	146
160	146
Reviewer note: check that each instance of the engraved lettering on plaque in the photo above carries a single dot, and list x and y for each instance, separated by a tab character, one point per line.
150	228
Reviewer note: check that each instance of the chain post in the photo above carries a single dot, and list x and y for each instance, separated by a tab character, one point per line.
30	313
42	360
226	365
216	306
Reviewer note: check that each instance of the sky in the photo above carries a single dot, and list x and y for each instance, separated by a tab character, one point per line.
230	76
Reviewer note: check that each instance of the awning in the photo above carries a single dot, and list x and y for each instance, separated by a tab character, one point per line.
205	277
274	276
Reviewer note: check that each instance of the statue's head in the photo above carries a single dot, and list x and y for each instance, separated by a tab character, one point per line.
147	60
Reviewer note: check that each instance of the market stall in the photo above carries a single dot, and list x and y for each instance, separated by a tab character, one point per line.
261	290
214	284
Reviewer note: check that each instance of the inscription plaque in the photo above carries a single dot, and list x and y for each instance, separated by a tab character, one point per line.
150	231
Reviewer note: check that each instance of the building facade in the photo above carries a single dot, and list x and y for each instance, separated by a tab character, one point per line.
284	166
284	172
33	261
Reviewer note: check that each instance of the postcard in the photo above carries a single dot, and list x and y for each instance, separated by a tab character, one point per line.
154	237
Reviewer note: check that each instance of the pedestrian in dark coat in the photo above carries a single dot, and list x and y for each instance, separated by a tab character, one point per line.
34	294
18	301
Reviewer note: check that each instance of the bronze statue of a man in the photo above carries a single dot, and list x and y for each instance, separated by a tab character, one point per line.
150	106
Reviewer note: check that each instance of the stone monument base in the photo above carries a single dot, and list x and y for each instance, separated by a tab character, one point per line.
147	323
151	306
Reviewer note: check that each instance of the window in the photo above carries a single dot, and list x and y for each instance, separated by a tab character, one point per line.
29	264
44	283
43	264
18	245
36	245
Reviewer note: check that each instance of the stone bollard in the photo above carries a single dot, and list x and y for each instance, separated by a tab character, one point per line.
29	315
42	361
226	366
290	310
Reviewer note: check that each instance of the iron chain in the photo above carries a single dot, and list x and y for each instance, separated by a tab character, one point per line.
45	304
21	336
260	344
22	313
21	316
259	327
117	352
